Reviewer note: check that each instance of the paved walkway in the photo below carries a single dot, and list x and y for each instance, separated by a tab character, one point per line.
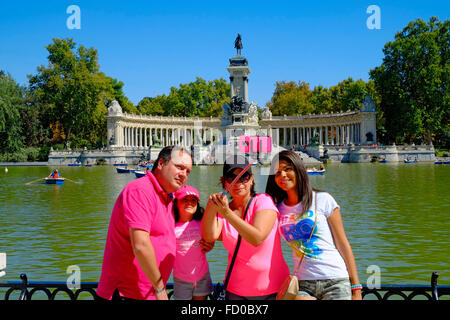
23	164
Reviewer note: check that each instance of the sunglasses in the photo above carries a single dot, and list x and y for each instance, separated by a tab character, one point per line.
244	179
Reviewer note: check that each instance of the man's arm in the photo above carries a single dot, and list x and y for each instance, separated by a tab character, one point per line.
145	255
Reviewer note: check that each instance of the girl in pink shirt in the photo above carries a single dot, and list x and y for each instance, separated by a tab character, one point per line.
192	280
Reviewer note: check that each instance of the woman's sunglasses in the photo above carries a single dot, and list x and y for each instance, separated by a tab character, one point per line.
244	179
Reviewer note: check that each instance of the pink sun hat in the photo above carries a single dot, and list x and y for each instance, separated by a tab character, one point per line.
185	191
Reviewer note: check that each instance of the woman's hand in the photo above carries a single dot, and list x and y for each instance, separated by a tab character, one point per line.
356	295
220	202
206	246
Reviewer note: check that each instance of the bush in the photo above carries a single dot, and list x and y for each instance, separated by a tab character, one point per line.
44	151
18	156
441	152
32	153
26	154
59	146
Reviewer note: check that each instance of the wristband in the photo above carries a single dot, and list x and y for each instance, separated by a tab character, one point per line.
160	290
356	287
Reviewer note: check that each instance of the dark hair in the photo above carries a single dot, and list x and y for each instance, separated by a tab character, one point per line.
304	188
198	215
166	155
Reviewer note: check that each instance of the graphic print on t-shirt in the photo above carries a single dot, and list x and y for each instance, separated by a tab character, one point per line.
188	236
297	232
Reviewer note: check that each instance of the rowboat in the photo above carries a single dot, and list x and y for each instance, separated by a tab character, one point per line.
382	161
145	166
139	173
409	161
74	164
54	180
88	165
316	172
442	162
123	170
120	164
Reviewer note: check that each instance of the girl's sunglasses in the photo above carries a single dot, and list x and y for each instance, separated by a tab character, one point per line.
244	179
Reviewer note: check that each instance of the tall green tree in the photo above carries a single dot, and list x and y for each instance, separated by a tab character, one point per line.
291	98
321	100
348	95
413	82
11	104
153	106
74	92
127	105
198	98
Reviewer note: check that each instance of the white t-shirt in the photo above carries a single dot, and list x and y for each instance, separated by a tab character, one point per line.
322	259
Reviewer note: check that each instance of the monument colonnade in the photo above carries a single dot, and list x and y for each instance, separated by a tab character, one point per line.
140	131
342	128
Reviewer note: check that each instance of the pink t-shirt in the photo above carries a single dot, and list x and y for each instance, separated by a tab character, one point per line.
143	205
257	271
190	263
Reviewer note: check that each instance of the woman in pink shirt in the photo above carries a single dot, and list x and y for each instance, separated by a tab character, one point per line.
259	268
192	280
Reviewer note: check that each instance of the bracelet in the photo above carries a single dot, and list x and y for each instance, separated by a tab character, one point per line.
160	290
356	287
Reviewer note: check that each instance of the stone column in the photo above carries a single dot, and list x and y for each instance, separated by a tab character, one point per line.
130	136
136	139
332	135
291	142
302	132
145	137
339	135
140	137
347	136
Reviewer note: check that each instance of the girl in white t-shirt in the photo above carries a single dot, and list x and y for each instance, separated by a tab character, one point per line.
327	269
192	280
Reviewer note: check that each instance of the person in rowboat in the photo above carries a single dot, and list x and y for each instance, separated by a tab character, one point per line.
55	174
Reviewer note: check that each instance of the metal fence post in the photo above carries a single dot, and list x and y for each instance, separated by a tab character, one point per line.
24	292
434	289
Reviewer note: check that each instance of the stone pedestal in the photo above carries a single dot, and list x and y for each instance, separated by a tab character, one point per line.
239	71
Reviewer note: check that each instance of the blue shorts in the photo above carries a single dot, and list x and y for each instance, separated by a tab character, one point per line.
183	290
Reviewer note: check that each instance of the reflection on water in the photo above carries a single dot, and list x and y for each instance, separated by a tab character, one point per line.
395	216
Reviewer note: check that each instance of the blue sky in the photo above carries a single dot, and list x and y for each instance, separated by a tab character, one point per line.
154	45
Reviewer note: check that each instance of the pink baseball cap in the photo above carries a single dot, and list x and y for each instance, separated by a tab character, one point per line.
185	191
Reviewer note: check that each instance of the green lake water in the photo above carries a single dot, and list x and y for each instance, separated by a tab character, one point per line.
396	217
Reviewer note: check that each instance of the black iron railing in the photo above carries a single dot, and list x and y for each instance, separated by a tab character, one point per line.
385	292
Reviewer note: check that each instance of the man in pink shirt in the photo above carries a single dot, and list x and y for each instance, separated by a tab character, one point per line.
141	245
